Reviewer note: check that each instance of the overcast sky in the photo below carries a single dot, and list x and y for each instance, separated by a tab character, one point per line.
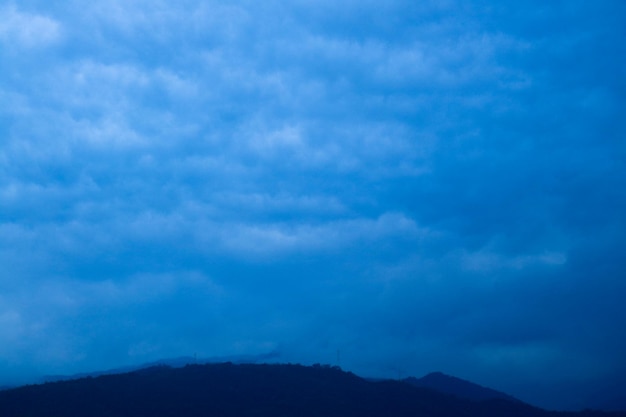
417	185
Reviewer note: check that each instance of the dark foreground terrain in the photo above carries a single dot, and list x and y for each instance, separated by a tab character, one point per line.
250	390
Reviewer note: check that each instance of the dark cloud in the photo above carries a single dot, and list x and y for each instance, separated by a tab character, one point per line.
432	186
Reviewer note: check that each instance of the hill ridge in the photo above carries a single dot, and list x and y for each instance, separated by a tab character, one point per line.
228	389
458	387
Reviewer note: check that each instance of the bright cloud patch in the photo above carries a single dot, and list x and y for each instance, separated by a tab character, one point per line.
27	30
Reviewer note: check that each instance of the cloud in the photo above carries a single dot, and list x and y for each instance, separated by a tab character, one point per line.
27	30
436	183
486	262
62	315
252	240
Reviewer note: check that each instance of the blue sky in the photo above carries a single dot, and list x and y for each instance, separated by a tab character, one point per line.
433	185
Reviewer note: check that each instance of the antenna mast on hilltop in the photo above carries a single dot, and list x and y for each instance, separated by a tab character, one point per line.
399	370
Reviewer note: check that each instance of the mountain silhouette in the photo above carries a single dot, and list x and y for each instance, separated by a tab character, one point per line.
176	362
458	387
241	390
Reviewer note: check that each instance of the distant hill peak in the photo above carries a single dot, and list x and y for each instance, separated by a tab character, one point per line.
438	381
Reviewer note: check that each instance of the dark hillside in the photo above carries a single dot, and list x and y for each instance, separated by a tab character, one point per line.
243	390
458	387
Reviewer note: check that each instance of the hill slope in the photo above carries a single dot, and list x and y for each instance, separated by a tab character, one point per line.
245	390
458	387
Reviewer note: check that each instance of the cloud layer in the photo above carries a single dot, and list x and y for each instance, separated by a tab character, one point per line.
432	186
